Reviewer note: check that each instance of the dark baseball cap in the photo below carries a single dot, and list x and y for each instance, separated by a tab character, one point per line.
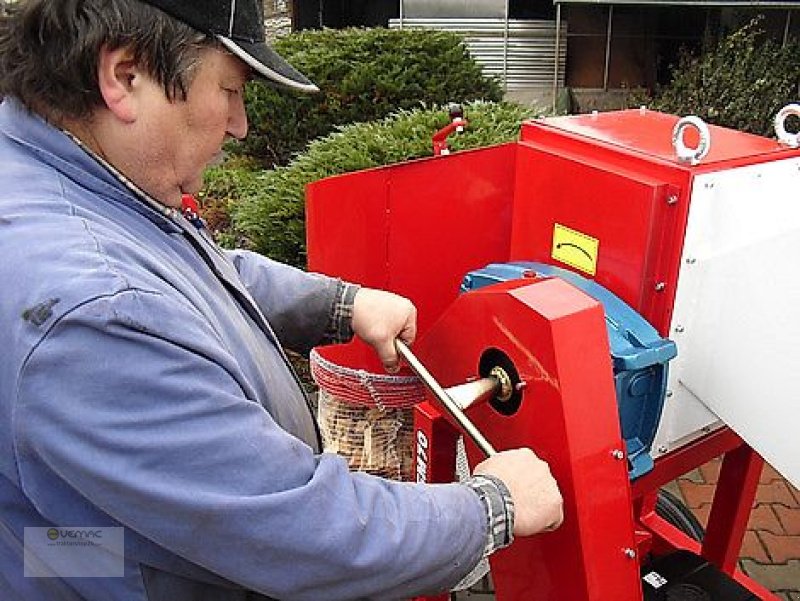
239	26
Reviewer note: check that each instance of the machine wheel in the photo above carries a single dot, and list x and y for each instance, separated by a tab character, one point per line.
673	510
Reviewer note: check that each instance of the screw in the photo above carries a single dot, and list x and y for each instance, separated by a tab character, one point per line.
617	454
629	553
672	199
660	287
679	329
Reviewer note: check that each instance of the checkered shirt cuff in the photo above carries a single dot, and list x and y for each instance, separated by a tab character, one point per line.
341	317
499	510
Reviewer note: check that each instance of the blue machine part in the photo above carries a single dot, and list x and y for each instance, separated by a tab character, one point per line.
639	355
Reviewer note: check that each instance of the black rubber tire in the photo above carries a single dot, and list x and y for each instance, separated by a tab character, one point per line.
673	510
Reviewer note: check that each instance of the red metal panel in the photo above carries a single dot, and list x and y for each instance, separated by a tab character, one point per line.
347	226
434	445
448	215
585	169
414	228
648	135
556	337
627	211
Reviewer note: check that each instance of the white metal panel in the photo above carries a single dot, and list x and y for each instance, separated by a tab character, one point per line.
523	50
737	311
449	9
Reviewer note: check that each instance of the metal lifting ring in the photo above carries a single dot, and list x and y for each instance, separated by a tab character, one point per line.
784	137
684	153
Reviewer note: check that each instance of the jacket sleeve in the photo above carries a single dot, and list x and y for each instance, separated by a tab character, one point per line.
130	402
298	305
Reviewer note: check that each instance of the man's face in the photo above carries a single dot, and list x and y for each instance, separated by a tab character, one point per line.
183	137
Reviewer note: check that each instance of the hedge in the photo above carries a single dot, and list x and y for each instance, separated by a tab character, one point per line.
267	207
740	83
363	75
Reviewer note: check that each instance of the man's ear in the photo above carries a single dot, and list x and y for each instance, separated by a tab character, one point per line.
117	74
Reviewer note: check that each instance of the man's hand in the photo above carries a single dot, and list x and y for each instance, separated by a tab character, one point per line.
379	317
538	506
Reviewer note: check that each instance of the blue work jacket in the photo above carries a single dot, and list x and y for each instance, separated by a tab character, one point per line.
143	387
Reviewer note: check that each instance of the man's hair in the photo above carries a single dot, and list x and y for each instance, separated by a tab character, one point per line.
49	51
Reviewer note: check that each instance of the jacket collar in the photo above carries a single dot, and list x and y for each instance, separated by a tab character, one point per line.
69	156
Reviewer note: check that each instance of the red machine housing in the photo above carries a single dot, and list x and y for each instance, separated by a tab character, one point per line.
417	228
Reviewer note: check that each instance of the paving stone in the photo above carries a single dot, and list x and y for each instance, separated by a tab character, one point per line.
789	518
696	494
695	476
785	577
768	474
795	492
702	513
781	548
674	489
710	471
776	492
762	517
752	548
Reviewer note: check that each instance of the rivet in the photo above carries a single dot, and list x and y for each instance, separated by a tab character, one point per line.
691	260
662	449
669	393
629	553
660	287
617	454
679	329
672	199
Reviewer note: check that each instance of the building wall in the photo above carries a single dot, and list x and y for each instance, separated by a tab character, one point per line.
645	42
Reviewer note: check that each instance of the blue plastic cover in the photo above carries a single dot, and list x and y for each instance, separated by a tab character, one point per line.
639	355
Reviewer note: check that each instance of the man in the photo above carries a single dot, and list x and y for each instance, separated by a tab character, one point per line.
143	387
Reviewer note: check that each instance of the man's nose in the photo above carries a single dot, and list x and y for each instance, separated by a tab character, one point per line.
237	119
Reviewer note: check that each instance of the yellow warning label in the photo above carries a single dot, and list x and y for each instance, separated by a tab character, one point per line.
576	249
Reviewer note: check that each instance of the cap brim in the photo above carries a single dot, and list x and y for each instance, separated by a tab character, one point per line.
268	64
